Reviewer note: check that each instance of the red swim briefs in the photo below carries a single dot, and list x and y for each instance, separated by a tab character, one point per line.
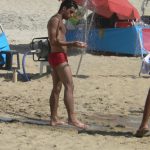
56	58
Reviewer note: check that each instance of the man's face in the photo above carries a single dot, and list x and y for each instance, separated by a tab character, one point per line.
68	13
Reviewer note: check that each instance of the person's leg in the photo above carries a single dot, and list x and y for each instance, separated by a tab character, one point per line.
146	112
65	76
54	99
143	129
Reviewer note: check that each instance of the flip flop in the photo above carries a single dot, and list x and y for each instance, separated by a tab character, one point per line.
141	132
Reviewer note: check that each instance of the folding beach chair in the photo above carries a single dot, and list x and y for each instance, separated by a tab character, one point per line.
7	55
144	38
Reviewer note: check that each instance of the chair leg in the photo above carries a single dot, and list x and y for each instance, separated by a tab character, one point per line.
42	64
41	68
48	69
15	75
141	68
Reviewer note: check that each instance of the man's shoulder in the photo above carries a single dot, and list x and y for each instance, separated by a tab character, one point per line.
53	19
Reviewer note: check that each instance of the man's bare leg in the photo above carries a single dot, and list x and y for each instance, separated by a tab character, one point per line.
144	124
54	99
65	76
146	112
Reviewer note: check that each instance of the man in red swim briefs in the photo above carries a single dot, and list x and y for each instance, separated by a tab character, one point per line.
61	73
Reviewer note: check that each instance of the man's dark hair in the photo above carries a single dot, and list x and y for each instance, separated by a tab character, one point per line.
68	4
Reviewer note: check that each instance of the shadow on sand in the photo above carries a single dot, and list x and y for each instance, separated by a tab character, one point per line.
108	133
91	130
81	76
106	125
8	76
124	76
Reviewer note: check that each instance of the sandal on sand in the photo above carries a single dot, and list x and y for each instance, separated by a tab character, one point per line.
141	132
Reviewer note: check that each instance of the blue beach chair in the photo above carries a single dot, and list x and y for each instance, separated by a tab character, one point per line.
7	60
4	46
6	55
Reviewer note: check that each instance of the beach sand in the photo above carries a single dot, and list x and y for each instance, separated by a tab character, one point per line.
109	94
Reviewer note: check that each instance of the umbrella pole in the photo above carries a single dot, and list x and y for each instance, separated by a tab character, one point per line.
79	63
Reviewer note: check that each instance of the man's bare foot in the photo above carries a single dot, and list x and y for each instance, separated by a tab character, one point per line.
78	124
141	132
57	122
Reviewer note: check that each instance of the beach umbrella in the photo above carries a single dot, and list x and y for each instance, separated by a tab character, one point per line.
122	8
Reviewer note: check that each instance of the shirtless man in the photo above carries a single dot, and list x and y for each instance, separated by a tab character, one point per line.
143	129
61	73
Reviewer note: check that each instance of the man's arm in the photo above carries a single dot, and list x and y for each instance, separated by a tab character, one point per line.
53	30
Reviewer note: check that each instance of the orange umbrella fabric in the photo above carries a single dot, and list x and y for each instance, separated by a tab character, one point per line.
122	8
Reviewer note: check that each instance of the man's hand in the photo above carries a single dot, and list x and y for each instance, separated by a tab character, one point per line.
79	44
